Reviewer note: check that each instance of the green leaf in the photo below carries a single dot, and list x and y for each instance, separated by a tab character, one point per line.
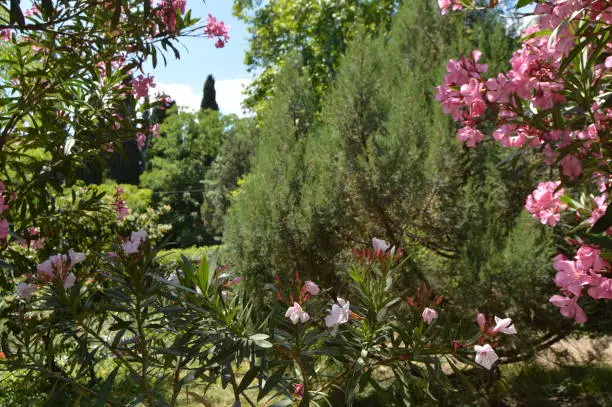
270	383
259	337
204	275
106	388
247	379
523	3
282	403
263	344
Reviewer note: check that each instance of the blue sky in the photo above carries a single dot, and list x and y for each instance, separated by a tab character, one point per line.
183	79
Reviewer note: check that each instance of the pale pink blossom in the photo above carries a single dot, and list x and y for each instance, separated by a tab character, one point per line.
57	267
569	308
132	245
380	246
485	356
338	315
75	257
504	326
481	320
310	288
429	315
25	290
69	281
296	314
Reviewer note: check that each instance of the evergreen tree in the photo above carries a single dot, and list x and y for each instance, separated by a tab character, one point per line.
178	161
222	179
209	100
258	226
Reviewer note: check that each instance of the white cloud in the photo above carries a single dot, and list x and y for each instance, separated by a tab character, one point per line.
229	95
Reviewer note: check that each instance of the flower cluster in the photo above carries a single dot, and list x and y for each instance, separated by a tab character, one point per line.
167	11
56	268
132	245
141	85
382	251
485	354
544	203
538	104
446	5
121	207
573	276
215	28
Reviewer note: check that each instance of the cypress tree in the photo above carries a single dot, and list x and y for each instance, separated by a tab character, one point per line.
210	94
260	227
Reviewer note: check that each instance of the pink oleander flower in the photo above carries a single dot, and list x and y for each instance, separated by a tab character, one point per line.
600	210
481	320
25	290
310	288
472	93
141	85
132	245
167	10
504	326
446	5
298	390
33	11
4	229
6	34
338	315
154	130
603	290
485	356
571	166
589	258
141	140
470	136
429	315
569	308
215	28
570	277
297	314
461	94
58	267
498	89
608	63
544	204
121	207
